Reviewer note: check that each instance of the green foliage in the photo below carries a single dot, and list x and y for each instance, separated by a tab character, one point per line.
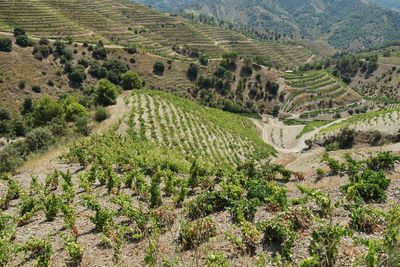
51	206
366	219
324	244
383	161
40	249
158	68
77	75
74	249
5	44
216	260
106	93
131	80
74	111
367	186
194	233
248	239
100	114
45	110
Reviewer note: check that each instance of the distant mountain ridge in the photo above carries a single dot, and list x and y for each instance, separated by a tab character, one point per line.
390	4
343	24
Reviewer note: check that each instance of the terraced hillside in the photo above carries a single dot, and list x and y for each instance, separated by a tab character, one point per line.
385	121
316	90
195	131
124	22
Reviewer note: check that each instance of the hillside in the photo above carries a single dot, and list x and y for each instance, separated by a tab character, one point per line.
126	23
342	24
390	4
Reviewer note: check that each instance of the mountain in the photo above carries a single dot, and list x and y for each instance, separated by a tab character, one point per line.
390	4
341	23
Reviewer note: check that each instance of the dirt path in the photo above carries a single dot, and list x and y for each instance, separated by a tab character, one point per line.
45	162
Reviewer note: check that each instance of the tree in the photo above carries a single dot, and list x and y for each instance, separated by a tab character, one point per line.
74	111
5	44
106	93
192	72
158	68
19	32
45	110
23	41
131	80
77	75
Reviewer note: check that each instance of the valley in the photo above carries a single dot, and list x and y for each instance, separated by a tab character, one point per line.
133	137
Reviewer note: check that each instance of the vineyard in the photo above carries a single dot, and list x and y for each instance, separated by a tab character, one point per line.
385	121
129	24
316	90
196	131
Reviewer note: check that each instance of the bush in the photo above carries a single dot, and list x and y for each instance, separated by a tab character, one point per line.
24	41
158	68
106	93
100	114
192	72
99	52
19	31
36	89
384	161
45	110
5	44
98	71
216	260
115	69
192	234
131	80
366	219
324	244
82	126
367	186
78	75
41	51
74	111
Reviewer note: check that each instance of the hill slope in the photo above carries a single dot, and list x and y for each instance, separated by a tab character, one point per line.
129	24
332	21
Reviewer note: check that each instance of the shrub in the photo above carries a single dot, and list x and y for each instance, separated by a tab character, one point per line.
194	233
99	52
74	111
158	68
100	114
203	205
5	44
24	41
19	31
216	260
51	207
75	251
97	71
366	219
40	249
277	234
77	75
41	51
367	186
106	93
36	88
384	161
82	126
324	244
45	110
247	240
115	69
131	80
192	72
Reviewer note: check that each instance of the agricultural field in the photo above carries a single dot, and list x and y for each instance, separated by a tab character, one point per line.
316	90
122	198
126	23
196	131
